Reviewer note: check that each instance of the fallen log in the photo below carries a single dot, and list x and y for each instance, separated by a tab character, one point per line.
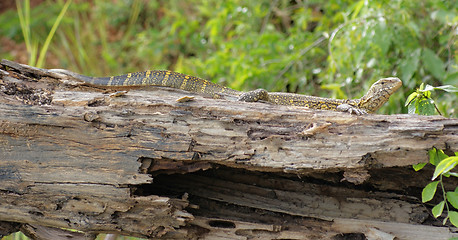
138	162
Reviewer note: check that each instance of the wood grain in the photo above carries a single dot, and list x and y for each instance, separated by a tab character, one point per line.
140	163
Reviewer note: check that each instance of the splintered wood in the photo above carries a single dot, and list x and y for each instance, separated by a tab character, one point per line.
159	163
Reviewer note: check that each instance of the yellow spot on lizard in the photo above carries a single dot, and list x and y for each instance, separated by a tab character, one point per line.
111	80
204	85
166	78
145	79
183	84
127	80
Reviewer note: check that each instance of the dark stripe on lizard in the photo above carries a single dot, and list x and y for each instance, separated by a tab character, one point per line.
377	95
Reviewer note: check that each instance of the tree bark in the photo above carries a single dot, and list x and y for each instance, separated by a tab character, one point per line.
140	163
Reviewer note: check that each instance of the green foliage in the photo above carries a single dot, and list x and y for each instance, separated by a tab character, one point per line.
452	198
429	191
336	48
418	167
30	41
420	101
16	236
437	210
444	166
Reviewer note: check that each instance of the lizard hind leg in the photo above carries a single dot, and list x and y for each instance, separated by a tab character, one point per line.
254	96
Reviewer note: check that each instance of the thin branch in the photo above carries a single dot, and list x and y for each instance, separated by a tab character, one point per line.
267	17
301	53
336	30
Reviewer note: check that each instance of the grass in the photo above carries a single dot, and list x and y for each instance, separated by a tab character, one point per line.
31	43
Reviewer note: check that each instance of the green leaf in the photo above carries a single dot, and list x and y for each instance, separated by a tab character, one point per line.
409	65
427	89
452	198
410	98
411	109
428	192
447	88
426	107
451	78
422	86
453	217
445	166
418	167
358	7
413	27
443	16
420	102
436	156
441	155
433	63
433	159
426	93
445	220
383	37
437	210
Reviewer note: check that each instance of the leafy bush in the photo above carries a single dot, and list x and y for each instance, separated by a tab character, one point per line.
420	102
335	48
443	168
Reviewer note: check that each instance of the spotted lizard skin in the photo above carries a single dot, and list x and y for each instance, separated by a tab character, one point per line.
377	95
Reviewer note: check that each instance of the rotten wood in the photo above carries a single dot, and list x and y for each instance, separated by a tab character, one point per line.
141	163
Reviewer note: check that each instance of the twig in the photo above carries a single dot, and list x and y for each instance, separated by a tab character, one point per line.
301	53
336	30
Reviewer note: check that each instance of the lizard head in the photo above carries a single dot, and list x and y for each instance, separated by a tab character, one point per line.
379	93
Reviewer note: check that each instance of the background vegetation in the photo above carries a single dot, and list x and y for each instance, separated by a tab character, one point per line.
334	48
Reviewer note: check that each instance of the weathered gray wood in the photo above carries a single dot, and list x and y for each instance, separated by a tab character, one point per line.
45	233
140	163
309	229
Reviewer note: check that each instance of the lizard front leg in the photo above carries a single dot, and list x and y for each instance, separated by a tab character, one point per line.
345	107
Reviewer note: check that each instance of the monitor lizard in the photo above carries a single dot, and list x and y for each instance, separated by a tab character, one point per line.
375	97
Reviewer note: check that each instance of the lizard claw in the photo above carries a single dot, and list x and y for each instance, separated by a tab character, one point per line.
351	109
